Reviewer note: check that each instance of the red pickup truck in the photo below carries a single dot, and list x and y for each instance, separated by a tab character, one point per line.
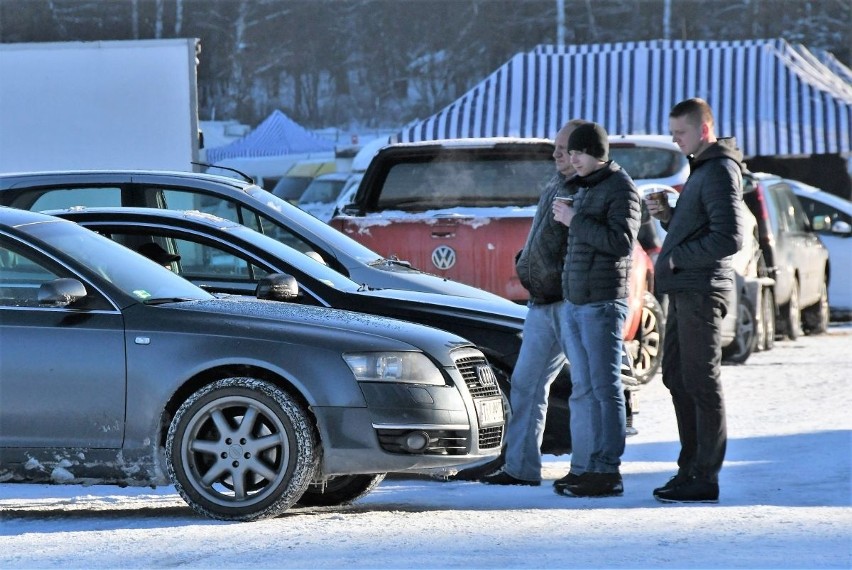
462	209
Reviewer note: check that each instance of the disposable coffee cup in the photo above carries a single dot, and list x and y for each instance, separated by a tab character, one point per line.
658	196
567	200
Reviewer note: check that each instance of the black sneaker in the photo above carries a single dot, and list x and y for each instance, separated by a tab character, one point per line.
571	479
672	482
595	485
503	478
692	490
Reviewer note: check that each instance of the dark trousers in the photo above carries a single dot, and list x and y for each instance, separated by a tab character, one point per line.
692	357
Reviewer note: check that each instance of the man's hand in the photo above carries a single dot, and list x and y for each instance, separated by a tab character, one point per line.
562	212
659	209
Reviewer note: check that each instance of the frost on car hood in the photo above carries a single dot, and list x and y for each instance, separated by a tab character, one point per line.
247	312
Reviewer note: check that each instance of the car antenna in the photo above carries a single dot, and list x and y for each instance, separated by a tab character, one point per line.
245	176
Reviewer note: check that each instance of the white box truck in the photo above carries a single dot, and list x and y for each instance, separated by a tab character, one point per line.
99	105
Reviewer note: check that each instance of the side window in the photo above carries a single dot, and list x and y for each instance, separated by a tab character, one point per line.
20	278
815	208
279	233
200	260
798	222
61	198
183	200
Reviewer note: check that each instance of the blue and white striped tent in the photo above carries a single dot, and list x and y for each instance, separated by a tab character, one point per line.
277	135
775	98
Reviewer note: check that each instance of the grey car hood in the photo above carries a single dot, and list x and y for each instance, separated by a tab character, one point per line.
347	330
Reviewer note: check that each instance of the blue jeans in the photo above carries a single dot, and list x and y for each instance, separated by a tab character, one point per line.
592	334
539	363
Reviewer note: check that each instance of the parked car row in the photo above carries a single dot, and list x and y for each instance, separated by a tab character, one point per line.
417	401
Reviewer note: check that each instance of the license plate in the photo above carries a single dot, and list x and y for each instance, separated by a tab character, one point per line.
489	412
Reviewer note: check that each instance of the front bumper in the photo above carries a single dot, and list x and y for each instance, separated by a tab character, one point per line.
408	427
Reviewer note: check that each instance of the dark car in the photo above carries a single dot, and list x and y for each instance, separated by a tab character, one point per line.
224	257
791	254
236	200
117	371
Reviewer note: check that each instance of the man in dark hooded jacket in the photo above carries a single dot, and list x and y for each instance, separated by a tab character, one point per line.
694	269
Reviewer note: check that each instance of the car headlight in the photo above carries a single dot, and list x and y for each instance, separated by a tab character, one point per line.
408	367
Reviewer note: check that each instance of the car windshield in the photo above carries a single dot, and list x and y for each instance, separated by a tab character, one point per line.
314	229
131	272
441	184
322	191
645	163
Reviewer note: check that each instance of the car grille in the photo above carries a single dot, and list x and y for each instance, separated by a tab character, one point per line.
468	366
481	383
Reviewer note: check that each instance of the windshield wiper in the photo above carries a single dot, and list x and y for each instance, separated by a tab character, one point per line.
164	300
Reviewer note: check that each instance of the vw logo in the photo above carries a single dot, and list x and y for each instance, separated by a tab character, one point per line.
486	376
443	257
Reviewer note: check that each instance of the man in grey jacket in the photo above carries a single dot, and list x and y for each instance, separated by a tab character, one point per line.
539	268
694	269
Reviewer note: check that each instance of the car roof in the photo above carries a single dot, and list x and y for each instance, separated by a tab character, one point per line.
12	179
131	212
808	191
13	217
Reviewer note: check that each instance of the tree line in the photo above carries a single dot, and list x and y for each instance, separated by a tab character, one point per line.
383	63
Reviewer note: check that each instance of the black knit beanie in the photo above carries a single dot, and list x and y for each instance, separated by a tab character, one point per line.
592	139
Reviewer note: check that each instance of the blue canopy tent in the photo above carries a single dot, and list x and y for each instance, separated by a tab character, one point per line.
277	135
775	98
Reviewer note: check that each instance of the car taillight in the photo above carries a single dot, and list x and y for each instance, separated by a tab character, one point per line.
764	212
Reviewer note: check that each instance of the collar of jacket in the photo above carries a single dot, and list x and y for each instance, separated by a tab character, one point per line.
596	177
722	148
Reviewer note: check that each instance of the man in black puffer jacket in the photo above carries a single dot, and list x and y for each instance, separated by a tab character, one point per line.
539	268
602	227
694	268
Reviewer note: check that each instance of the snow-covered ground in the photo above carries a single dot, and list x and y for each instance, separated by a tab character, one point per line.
786	501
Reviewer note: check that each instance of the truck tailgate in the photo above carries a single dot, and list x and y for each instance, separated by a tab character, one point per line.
479	251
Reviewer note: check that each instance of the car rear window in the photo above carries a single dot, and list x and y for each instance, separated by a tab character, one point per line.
642	162
463	183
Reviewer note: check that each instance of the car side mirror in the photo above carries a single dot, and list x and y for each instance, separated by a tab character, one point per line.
60	292
841	228
277	287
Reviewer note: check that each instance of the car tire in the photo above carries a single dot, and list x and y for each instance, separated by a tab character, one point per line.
815	317
647	348
339	490
227	468
746	336
791	319
766	325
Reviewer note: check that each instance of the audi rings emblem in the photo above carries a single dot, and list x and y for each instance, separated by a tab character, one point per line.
444	257
486	376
